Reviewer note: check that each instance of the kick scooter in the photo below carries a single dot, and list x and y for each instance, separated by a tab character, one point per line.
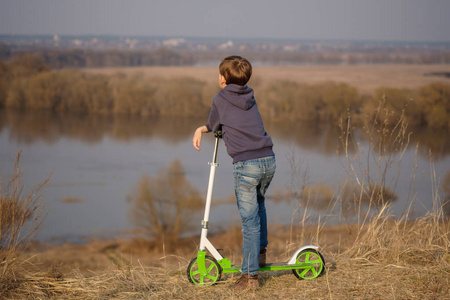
204	270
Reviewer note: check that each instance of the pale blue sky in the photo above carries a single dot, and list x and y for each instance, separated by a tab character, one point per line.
384	20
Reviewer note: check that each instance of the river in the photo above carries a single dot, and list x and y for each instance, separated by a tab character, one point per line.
96	163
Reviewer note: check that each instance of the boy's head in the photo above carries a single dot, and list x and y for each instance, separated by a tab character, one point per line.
235	69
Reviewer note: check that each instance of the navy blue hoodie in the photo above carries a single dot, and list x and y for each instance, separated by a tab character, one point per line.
234	109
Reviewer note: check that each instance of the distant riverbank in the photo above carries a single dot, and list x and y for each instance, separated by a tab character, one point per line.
310	93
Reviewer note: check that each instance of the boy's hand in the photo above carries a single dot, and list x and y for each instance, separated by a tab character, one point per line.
197	139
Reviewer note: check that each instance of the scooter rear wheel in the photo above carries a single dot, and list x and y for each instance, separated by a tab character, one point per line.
313	257
213	272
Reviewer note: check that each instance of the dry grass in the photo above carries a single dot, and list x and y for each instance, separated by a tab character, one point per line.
390	260
366	77
21	216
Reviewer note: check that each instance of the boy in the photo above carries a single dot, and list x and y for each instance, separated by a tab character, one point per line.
234	110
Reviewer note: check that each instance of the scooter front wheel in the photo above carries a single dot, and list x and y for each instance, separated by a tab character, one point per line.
315	261
212	274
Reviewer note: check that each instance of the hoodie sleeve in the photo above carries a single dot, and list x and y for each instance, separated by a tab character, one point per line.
213	120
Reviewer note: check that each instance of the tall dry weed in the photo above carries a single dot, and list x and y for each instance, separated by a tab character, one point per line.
21	217
381	237
366	196
385	240
373	169
304	229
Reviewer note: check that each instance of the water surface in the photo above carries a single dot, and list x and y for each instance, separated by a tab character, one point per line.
97	163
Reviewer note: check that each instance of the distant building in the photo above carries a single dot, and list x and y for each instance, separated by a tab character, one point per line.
173	42
226	45
77	43
131	43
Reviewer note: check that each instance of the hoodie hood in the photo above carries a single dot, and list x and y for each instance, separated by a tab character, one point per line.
239	95
235	111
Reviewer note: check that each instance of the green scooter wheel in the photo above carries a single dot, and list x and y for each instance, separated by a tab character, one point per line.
211	276
316	261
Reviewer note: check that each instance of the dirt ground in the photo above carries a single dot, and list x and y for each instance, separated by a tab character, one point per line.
364	77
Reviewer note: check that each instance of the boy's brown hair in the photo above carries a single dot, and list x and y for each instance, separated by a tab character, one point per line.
235	69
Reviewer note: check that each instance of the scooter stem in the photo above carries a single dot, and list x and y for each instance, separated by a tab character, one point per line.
212	173
204	243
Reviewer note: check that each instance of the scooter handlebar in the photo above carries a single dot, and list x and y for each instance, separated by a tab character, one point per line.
218	134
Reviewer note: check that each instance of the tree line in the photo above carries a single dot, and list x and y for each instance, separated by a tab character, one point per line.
28	83
87	58
426	106
163	56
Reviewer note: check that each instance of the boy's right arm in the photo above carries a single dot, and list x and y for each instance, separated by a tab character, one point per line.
197	139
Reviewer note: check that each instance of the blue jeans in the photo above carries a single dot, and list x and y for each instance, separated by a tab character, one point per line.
251	179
